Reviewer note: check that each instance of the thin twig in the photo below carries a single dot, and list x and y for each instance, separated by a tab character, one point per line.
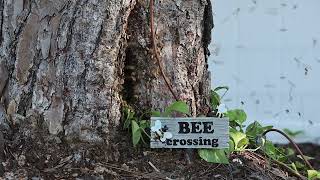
132	172
154	167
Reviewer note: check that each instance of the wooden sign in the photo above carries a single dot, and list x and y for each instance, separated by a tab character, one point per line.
200	132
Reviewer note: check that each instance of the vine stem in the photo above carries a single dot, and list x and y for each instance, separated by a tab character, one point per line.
156	55
292	142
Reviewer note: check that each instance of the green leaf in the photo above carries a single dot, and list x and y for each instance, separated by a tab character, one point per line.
255	129
231	146
178	106
226	88
214	155
238	116
275	153
299	165
144	124
239	139
292	133
214	99
281	155
221	87
270	149
127	124
294	167
136	133
128	114
313	174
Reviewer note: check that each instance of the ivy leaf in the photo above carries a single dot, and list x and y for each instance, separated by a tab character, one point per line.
299	165
144	124
238	116
239	139
275	153
128	114
294	167
221	87
281	154
214	99
270	149
313	174
136	133
127	124
214	155
255	129
231	146
178	106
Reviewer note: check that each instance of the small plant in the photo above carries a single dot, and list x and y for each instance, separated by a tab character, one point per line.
253	138
238	139
250	139
215	98
137	125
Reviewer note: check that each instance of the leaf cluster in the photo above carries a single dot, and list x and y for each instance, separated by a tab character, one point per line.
140	126
251	137
241	138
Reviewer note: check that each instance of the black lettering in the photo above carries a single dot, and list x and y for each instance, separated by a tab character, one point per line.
200	141
206	142
184	127
214	143
189	142
183	142
175	142
207	127
169	142
195	126
195	142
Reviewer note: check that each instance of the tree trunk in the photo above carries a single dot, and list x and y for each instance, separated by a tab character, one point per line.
67	66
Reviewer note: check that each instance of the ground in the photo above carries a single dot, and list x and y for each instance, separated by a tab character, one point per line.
42	158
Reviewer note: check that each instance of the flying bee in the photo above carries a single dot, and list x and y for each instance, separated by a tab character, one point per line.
299	113
160	133
306	70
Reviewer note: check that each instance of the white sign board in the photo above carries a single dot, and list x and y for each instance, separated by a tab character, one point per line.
200	132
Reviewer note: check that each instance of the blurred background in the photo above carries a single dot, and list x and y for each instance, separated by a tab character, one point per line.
268	54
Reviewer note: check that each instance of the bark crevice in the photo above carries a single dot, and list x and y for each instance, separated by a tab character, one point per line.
71	64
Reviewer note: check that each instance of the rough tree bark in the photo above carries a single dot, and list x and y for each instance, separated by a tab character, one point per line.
67	65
